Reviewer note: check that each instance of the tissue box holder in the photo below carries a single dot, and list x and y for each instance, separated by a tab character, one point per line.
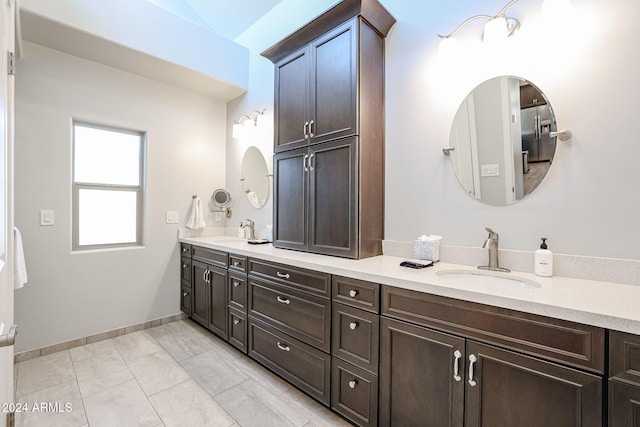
429	250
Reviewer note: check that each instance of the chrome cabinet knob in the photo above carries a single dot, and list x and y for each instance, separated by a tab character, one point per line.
353	383
353	325
353	293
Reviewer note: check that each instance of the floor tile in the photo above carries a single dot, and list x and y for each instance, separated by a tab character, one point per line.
136	344
270	381
122	405
318	415
185	345
157	372
68	410
214	374
92	350
44	372
187	404
253	406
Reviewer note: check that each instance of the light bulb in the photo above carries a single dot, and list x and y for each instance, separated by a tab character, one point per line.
237	131
496	30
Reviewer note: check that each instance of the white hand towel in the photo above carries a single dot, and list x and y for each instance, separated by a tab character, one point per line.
20	267
196	215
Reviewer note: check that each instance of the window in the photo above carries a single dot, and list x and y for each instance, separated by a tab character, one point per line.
108	177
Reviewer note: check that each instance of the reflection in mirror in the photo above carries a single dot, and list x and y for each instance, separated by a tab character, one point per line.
255	177
500	139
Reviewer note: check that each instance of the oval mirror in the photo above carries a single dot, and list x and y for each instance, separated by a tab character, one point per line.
500	139
255	177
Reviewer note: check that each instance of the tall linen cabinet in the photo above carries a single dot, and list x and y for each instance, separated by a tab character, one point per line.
329	132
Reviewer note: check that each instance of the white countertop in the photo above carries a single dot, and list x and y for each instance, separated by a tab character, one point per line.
604	304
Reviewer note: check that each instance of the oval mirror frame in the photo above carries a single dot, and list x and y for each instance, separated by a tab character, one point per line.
500	138
255	177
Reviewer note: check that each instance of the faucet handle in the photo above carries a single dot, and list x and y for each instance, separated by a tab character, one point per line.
492	234
250	222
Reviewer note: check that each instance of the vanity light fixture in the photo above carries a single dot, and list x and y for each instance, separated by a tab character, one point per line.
250	120
499	26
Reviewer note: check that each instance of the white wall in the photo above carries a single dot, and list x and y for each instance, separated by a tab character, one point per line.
588	68
72	295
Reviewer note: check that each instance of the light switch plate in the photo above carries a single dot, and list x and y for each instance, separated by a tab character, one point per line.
173	217
490	170
47	217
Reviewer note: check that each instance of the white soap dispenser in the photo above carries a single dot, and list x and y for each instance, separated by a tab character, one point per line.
543	260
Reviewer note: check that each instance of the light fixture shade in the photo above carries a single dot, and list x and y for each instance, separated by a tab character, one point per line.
496	30
448	47
237	131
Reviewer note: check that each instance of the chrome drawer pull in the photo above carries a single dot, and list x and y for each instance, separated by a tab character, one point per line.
456	365
236	322
236	283
472	360
353	325
353	293
283	275
236	264
283	347
353	383
204	276
283	300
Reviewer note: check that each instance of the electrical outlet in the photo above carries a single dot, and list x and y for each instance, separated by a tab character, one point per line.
173	217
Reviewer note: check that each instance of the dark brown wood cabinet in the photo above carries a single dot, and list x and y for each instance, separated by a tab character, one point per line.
445	376
329	132
210	297
624	379
185	279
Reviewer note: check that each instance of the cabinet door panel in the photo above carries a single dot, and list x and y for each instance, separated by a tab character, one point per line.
291	100
217	321
333	219
333	84
417	385
624	405
290	199
200	291
516	390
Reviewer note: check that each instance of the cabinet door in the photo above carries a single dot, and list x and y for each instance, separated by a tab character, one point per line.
292	101
200	293
333	84
333	219
217	320
290	174
509	389
417	370
624	405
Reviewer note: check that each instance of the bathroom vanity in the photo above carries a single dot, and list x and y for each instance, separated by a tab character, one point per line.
385	345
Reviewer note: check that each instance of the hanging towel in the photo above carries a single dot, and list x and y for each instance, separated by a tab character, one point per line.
20	267
196	215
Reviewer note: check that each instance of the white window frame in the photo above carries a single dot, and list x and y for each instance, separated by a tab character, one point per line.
138	189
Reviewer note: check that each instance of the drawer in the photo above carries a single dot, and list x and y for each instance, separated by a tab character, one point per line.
185	271
303	316
356	336
238	330
237	262
354	393
237	291
553	339
357	293
624	357
185	299
302	365
298	278
210	256
185	249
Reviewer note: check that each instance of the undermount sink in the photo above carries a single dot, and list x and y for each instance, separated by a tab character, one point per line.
490	278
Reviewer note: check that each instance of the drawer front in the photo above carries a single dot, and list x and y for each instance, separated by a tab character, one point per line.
303	316
210	256
237	262
356	293
237	291
238	330
624	357
553	339
302	365
185	299
297	278
185	271
354	393
356	336
185	249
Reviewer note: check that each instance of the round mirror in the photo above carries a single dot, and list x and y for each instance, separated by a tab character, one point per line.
221	198
501	146
255	177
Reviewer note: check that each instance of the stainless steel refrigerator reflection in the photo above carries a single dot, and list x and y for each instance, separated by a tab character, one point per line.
537	123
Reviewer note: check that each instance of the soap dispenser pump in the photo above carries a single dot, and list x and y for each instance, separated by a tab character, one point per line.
543	260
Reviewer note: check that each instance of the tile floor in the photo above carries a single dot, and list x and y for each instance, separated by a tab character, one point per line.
177	374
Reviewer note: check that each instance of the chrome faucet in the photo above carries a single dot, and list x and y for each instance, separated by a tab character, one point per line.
252	231
492	244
